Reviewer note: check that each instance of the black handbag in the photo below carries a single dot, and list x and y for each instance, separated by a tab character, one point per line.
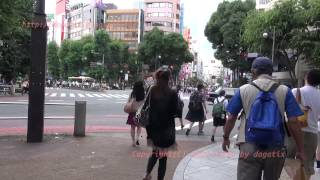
143	114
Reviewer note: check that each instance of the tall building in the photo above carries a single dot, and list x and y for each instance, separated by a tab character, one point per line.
265	4
85	19
59	22
164	14
182	18
125	25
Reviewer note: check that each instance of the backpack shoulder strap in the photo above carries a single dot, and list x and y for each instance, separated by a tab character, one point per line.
273	88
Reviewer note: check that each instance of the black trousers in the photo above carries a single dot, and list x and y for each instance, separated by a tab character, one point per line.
162	163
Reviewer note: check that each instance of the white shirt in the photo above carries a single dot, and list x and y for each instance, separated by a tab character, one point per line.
220	99
310	96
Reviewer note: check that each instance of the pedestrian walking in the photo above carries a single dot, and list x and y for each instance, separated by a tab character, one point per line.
136	99
310	101
180	105
161	129
197	109
219	112
262	128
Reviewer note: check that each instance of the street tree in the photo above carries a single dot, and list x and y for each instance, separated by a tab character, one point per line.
15	38
224	31
53	60
158	48
293	25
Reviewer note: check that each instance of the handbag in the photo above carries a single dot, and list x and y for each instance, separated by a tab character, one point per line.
143	114
303	120
128	106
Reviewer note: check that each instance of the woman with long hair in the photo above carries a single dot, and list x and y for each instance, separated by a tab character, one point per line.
161	128
137	95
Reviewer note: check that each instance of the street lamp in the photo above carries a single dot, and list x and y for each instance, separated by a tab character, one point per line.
267	35
159	61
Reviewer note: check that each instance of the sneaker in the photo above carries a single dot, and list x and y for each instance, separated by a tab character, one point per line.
188	132
182	126
317	170
212	138
148	177
137	143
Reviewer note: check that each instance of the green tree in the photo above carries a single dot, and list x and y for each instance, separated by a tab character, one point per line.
15	38
293	23
159	48
53	60
224	31
63	54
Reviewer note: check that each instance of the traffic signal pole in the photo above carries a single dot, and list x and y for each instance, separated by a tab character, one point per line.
37	74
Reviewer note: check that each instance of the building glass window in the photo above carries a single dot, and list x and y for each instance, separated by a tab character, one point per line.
170	5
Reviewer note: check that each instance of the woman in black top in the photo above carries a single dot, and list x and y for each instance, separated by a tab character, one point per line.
161	128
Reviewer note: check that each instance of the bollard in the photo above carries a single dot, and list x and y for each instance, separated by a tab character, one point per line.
80	119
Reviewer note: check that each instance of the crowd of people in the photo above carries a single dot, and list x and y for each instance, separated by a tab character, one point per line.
269	114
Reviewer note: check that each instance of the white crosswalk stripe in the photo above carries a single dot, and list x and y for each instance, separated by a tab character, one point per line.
105	95
89	95
97	95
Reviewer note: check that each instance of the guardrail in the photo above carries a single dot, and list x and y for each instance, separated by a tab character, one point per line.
79	114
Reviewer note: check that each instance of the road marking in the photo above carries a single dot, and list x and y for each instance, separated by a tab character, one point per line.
102	99
121	102
46	94
124	96
81	95
56	100
104	95
111	95
187	126
97	95
72	95
63	95
53	95
89	95
24	100
116	96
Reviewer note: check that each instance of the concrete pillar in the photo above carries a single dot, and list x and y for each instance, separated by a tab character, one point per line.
80	119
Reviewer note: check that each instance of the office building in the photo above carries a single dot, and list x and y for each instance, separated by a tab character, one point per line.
164	14
265	4
125	25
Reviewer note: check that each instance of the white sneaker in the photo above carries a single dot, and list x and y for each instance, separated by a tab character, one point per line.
317	170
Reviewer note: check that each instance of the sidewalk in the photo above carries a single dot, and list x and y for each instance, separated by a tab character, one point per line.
210	162
98	156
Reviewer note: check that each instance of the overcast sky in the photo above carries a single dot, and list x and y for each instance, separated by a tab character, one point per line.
196	15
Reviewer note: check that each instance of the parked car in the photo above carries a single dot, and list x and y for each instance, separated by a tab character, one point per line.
229	93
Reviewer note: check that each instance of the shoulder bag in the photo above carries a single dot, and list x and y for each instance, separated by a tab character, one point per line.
143	114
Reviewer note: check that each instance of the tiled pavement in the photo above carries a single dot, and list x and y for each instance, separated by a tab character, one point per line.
211	162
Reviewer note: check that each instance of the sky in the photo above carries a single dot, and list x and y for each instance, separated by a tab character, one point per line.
196	15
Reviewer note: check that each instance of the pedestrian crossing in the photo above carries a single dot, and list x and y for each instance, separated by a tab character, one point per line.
87	95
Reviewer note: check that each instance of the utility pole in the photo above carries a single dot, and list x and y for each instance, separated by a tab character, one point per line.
37	74
273	46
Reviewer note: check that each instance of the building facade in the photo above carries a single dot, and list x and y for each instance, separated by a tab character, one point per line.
164	14
58	26
125	25
84	19
265	4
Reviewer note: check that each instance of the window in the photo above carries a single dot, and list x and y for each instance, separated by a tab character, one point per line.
149	5
162	5
155	5
170	5
161	14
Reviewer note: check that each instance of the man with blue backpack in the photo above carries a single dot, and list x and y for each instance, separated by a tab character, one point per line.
263	129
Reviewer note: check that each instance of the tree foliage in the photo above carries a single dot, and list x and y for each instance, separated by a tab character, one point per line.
224	31
294	23
53	60
158	48
15	39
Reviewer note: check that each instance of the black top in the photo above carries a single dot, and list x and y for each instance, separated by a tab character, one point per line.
163	109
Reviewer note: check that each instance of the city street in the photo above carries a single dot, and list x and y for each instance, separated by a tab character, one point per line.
104	111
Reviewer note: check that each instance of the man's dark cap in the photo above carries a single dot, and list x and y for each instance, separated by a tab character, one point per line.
262	63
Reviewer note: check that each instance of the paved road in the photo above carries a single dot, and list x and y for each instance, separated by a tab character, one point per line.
104	110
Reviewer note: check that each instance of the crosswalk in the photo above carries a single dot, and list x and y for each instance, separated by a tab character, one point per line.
87	95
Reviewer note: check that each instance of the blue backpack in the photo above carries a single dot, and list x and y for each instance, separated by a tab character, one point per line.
264	125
